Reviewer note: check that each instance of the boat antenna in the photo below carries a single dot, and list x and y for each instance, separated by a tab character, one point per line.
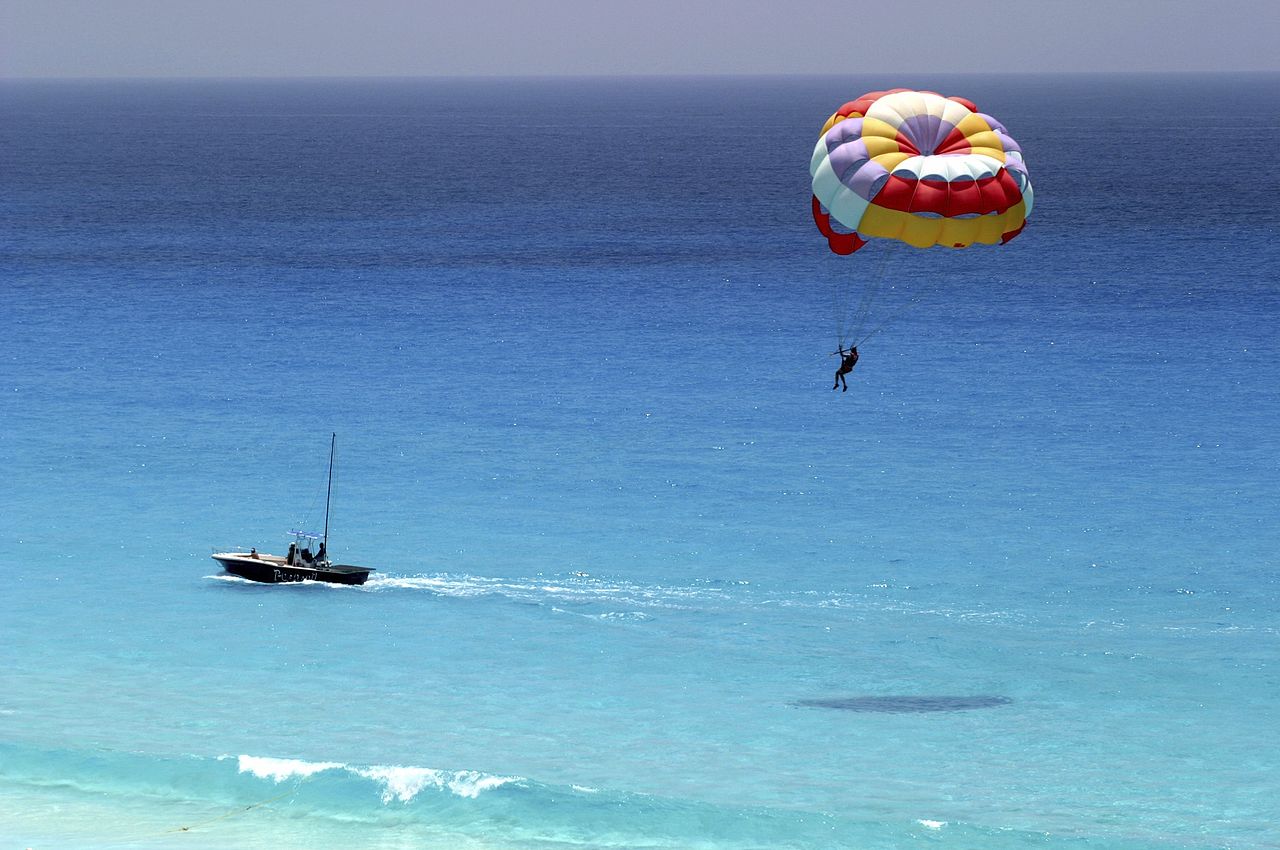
333	442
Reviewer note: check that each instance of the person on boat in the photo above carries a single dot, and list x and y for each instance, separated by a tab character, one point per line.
320	553
293	554
848	359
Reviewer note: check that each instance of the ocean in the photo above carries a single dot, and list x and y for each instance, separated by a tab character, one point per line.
643	579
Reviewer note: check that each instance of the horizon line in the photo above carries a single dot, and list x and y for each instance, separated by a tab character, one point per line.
623	75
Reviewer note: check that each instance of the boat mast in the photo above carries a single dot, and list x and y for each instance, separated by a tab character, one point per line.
333	442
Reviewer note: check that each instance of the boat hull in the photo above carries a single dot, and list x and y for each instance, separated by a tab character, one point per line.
272	569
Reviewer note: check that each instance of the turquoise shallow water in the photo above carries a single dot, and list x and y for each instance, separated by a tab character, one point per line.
623	527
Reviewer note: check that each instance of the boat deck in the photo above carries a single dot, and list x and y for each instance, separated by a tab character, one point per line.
278	560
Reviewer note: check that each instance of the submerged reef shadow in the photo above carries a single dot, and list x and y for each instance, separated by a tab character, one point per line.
905	704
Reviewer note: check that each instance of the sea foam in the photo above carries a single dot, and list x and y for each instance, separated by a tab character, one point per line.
279	770
396	782
405	783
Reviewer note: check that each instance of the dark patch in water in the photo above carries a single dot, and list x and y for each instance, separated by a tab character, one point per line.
905	705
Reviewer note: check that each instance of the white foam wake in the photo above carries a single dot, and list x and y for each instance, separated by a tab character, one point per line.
578	589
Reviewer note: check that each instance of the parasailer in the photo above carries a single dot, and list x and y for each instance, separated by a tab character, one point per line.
916	168
848	359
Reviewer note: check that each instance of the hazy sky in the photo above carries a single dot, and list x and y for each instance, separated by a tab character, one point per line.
91	38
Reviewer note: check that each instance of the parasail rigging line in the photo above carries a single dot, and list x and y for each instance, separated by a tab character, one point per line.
850	323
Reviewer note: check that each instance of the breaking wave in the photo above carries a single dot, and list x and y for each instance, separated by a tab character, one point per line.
432	807
401	784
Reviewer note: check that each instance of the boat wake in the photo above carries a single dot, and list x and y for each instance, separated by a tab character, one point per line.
622	601
553	590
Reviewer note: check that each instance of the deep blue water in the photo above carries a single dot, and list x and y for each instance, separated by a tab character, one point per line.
644	580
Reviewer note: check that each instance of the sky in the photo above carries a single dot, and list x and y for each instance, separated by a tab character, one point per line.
303	38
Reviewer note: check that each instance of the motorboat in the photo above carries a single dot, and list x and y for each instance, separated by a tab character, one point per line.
301	563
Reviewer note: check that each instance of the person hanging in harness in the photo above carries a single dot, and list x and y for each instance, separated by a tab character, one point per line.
848	359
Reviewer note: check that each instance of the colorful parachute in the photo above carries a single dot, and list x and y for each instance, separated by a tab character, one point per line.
920	168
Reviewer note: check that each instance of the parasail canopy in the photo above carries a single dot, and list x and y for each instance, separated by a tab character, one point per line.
919	168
